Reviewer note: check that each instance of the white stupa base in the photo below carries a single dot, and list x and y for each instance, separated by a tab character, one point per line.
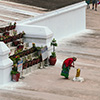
78	79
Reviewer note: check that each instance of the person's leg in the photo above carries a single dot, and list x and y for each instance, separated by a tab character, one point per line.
96	5
93	2
88	2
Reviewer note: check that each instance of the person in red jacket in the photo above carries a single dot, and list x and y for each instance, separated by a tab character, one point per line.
69	62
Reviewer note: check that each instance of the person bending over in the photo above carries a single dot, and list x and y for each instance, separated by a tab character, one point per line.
69	62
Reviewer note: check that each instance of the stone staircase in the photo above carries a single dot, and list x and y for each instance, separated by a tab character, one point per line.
14	12
28	54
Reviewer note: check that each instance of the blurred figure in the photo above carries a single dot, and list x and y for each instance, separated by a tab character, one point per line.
88	2
98	2
94	2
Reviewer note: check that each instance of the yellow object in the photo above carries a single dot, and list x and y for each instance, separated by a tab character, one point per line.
78	72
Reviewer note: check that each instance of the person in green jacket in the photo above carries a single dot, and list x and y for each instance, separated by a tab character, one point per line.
88	4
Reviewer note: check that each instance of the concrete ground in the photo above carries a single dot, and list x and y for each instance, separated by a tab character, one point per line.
47	84
11	12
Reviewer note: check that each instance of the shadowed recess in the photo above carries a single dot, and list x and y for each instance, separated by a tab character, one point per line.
48	4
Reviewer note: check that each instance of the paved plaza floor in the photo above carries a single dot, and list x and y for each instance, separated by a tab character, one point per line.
10	12
47	84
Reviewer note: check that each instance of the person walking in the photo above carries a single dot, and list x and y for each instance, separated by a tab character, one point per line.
69	62
88	4
94	2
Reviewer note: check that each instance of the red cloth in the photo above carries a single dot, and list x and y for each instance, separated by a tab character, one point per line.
68	62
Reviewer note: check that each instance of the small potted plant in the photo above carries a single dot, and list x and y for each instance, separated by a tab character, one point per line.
15	58
20	46
14	37
6	34
52	59
25	64
10	26
15	43
1	38
30	62
15	74
14	25
54	44
33	45
14	32
23	33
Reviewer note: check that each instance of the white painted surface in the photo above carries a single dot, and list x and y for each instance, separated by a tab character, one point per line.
5	64
78	79
40	35
63	22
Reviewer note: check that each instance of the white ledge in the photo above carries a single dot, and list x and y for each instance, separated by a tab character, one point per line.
35	31
4	49
55	12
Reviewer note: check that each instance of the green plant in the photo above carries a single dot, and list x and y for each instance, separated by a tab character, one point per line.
36	57
17	51
38	48
53	54
14	70
23	32
14	32
33	45
54	44
35	53
15	75
29	57
15	59
1	38
10	24
14	23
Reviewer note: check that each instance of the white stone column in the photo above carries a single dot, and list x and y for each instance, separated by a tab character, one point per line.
5	64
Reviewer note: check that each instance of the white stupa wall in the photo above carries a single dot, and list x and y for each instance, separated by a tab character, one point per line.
63	22
40	35
5	64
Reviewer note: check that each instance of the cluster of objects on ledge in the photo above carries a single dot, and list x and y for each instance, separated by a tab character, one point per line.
25	58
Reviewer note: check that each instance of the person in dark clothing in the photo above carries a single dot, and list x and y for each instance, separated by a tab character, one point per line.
88	4
94	2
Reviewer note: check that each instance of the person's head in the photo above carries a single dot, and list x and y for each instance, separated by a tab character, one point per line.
74	58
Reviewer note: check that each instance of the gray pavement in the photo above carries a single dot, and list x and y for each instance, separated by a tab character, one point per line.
47	84
19	11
